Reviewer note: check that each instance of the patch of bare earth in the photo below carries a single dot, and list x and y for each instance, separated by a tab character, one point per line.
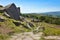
4	29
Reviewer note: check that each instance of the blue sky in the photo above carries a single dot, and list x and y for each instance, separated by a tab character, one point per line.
34	6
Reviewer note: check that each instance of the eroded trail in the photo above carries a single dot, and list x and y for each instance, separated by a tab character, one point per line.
27	36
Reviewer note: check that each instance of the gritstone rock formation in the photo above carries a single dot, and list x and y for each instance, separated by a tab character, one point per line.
12	11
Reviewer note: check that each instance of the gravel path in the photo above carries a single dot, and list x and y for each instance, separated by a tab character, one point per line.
26	36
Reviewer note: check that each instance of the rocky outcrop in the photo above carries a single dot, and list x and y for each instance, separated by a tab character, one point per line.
12	11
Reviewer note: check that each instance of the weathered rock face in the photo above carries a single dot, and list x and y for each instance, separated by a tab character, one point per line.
12	11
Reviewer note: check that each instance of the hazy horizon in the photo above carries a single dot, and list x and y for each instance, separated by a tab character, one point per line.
34	6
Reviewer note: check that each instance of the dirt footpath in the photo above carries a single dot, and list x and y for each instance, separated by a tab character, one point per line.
27	36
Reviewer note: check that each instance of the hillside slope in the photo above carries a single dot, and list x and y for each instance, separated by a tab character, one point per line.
10	26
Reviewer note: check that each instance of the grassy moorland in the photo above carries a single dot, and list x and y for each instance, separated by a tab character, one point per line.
51	29
8	28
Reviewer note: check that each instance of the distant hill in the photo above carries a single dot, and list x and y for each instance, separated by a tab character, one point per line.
47	13
57	13
54	14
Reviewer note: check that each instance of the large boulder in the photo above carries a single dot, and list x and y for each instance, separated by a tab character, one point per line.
2	9
13	11
17	23
2	19
35	20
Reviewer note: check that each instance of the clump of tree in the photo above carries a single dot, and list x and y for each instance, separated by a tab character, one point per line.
1	6
51	20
